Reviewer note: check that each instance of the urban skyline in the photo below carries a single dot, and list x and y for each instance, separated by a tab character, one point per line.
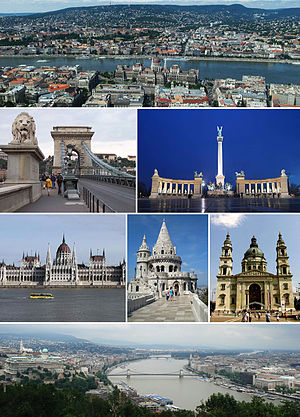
101	232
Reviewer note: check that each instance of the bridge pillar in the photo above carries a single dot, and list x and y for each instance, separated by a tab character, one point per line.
128	373
181	373
74	136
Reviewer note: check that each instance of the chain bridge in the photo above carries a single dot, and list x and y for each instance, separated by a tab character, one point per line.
128	373
98	180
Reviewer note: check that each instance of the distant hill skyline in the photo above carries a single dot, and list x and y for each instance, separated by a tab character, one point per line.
64	6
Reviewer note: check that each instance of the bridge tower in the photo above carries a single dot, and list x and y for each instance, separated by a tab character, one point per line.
128	373
181	373
74	135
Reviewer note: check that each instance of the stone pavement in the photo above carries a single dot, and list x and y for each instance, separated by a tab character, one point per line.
165	311
232	319
54	204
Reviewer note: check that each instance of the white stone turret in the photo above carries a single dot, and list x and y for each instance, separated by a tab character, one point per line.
143	256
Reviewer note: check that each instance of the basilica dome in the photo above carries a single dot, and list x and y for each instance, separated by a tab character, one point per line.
254	250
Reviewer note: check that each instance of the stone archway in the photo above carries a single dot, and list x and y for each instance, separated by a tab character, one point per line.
176	287
72	135
255	297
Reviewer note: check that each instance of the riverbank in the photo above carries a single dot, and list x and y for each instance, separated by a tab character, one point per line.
168	57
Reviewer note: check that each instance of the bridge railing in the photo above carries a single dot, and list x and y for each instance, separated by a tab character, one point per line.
112	179
95	204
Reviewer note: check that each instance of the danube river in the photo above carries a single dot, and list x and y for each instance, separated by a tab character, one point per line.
219	205
72	304
273	72
186	392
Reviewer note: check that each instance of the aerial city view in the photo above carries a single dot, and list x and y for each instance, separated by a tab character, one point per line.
157	370
153	55
149	208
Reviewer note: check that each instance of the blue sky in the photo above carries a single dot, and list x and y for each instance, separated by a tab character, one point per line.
30	233
187	232
234	336
265	228
179	142
6	6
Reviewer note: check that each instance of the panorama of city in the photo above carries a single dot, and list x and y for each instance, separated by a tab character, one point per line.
151	55
95	371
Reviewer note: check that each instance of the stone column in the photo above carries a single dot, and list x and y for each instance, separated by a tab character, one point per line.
197	187
220	179
176	188
155	184
268	188
284	185
255	187
23	167
188	188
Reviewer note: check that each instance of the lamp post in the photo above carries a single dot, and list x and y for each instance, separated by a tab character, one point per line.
70	180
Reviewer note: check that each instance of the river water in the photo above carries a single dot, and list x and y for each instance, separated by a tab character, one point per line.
73	304
186	392
273	72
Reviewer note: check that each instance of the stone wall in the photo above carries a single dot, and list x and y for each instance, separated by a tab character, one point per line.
14	197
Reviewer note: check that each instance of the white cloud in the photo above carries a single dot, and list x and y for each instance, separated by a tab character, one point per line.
227	220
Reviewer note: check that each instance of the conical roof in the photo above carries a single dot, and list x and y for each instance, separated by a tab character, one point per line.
163	240
144	245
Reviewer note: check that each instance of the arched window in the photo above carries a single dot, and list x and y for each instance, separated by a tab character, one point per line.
171	268
162	268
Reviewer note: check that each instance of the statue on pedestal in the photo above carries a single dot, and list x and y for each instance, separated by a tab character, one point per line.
23	130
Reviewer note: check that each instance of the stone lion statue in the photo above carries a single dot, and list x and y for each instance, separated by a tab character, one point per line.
23	130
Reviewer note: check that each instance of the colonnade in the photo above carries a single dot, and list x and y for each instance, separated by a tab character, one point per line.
175	188
271	187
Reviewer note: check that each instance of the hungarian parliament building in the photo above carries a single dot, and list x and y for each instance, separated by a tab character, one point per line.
63	271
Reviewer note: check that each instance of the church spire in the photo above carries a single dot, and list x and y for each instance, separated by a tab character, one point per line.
74	257
48	259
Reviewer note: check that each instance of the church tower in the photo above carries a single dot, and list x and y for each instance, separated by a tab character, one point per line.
282	259
286	298
143	255
225	268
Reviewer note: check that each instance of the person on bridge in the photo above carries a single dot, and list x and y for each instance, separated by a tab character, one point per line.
48	184
59	180
53	179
